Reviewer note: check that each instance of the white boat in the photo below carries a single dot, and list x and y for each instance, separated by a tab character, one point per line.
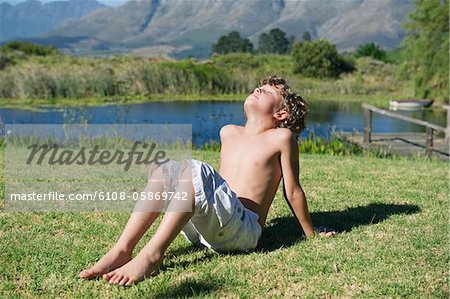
410	104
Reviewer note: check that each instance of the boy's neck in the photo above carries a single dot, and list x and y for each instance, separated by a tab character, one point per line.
255	126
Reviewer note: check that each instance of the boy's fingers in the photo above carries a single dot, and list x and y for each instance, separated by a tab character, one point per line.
330	234
327	233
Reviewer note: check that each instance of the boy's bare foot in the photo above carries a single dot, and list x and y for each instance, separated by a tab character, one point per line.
135	270
115	258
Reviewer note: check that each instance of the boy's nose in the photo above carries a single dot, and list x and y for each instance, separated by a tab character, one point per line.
257	90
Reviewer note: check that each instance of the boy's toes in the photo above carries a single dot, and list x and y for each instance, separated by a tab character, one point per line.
130	282
111	280
86	274
109	275
123	281
118	279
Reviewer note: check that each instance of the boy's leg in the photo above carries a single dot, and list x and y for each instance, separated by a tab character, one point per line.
150	258
140	221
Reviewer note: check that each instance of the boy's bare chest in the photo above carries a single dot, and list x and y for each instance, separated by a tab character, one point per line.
248	152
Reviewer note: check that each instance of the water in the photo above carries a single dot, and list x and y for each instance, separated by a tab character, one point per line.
208	117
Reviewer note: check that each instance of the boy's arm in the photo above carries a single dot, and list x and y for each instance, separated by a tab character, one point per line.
292	190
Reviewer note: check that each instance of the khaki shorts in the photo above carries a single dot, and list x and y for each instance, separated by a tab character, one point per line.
220	222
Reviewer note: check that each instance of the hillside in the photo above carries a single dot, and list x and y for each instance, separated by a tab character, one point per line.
32	18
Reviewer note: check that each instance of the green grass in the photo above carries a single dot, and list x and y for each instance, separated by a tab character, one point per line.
392	216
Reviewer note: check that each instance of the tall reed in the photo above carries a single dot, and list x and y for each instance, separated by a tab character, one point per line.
59	76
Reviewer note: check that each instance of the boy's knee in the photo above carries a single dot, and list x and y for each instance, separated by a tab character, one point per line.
155	171
168	174
185	185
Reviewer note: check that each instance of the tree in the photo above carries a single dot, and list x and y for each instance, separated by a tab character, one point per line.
371	50
291	43
232	43
264	43
273	42
319	59
29	48
306	36
426	48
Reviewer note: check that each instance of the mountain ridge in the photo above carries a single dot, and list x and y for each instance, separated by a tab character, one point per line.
189	28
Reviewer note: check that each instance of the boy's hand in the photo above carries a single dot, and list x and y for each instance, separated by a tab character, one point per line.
324	231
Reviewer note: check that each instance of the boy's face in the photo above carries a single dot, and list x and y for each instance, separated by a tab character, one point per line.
265	100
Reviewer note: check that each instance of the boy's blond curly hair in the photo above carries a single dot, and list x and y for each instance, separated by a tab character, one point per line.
294	104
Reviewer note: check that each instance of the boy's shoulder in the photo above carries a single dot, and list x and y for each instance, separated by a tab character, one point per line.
282	140
229	129
281	136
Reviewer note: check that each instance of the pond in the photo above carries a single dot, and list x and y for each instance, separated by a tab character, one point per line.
207	117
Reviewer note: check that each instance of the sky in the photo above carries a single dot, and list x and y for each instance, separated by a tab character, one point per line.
106	2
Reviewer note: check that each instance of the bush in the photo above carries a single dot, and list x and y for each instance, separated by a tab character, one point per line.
319	59
6	60
371	50
29	48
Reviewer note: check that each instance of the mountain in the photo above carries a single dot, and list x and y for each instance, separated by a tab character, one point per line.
377	21
189	27
32	18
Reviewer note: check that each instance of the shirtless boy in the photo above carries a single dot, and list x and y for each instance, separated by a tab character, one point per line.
229	208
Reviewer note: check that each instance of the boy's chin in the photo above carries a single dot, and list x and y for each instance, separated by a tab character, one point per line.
249	105
251	98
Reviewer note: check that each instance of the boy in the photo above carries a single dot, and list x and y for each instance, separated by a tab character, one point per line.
228	209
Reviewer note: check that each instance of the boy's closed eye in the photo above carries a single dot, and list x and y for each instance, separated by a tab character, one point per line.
265	90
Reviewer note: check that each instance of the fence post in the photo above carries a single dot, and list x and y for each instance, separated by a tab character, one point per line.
447	132
429	141
367	126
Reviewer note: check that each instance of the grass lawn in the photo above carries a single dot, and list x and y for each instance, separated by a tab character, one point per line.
392	216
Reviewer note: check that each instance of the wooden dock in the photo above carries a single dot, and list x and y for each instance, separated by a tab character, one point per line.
403	144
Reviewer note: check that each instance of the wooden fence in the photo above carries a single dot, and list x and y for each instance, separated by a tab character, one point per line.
430	128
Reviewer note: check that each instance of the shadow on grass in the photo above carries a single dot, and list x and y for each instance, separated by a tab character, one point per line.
206	256
285	231
189	288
